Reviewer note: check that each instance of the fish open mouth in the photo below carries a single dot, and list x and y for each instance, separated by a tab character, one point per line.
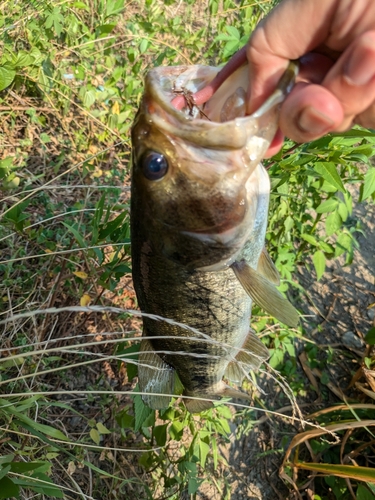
209	109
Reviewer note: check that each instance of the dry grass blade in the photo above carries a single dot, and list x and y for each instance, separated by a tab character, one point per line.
341	407
331	429
346	471
366	391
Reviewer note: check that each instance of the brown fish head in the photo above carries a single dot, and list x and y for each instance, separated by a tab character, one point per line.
191	175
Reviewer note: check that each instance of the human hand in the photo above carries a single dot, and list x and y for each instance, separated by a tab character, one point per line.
335	41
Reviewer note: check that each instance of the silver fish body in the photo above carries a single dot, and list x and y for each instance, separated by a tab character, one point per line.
198	221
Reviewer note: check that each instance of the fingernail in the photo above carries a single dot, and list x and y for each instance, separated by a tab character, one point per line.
359	70
314	122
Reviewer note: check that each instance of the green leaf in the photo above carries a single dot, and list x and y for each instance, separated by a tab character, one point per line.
143	45
89	98
363	493
355	132
343	211
326	247
204	450
109	228
142	412
327	206
6	77
319	261
214	6
288	223
4	471
149	421
37	483
160	434
8	489
369	184
230	48
333	223
81	5
95	436
276	359
215	454
44	429
310	239
370	337
105	29
329	173
233	31
114	7
81	242
121	269
343	244
176	430
5	459
193	485
44	138
102	429
348	202
6	166
23	60
22	467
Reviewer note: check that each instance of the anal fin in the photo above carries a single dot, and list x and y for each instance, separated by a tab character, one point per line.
265	294
252	355
155	377
267	268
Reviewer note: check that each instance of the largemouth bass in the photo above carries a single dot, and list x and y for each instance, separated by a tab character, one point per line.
199	205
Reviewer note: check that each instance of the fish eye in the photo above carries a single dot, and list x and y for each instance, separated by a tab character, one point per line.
154	165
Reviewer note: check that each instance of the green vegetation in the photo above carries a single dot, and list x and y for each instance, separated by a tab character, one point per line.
71	422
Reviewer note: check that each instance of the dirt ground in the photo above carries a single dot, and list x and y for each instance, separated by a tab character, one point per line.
337	315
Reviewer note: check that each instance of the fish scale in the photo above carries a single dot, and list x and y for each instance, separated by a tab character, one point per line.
200	300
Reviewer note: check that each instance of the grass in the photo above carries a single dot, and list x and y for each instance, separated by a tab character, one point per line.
71	423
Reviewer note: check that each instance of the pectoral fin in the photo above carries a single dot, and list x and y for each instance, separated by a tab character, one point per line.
155	377
265	294
252	355
267	268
